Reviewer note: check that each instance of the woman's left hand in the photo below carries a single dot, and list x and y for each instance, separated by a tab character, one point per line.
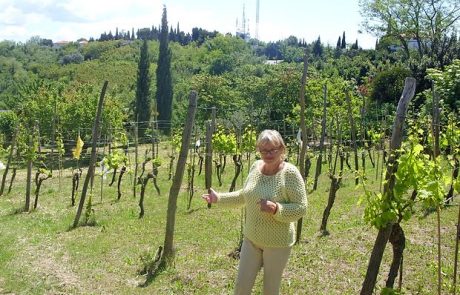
268	206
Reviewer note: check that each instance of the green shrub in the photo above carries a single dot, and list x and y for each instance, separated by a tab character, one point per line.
388	85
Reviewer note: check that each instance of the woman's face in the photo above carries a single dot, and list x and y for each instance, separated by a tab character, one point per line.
270	152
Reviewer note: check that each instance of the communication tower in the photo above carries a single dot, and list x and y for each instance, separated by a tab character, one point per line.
243	30
257	20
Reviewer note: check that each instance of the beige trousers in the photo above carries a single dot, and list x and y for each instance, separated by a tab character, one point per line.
252	258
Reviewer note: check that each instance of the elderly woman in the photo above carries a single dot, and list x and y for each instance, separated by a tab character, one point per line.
275	198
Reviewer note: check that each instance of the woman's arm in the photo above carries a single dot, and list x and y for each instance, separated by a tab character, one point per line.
232	199
295	191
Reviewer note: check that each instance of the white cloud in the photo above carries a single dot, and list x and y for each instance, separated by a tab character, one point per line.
11	16
72	19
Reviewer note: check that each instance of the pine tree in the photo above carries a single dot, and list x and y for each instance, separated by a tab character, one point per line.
142	108
344	44
164	95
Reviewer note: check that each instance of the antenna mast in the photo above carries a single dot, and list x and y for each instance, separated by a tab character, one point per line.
244	22
257	20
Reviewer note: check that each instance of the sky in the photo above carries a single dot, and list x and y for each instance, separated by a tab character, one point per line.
69	20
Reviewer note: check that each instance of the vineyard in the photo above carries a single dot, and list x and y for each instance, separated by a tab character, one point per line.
102	170
53	242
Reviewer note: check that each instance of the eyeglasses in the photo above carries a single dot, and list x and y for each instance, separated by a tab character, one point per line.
271	152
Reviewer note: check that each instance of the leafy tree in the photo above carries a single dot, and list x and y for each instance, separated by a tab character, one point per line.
283	93
292	53
431	24
227	53
12	74
216	91
164	93
142	109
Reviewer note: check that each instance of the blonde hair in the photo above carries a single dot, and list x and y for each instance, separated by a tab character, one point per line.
271	136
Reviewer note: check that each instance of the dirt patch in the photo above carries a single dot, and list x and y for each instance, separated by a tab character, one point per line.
51	267
57	271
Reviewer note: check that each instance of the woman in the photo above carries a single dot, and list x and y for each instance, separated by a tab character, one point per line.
275	198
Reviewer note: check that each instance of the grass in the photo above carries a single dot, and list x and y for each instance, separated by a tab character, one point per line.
39	254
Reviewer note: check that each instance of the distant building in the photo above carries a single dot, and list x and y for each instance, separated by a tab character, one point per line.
411	44
60	44
273	61
82	41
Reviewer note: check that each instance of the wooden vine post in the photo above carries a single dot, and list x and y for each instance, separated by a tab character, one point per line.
168	253
210	128
153	139
392	165
436	152
30	161
136	156
92	161
450	194
53	135
383	148
303	126
10	158
457	237
319	161
353	135
191	173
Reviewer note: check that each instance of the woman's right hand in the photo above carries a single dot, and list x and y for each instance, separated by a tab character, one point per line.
210	197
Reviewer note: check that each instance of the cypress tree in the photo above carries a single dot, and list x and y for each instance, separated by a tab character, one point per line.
355	45
142	108
179	35
339	43
164	93
172	35
344	44
318	47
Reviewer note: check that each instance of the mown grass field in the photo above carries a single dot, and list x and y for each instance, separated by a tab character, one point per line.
39	254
